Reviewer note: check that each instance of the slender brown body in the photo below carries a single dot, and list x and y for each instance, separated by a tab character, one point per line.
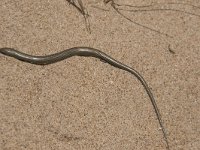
88	52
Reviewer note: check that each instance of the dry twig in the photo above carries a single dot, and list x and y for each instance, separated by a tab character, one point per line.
79	6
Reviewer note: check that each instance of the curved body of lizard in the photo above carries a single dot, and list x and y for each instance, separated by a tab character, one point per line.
90	52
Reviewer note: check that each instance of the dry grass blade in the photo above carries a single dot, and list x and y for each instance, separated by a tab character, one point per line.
164	9
179	3
143	8
113	4
158	9
154	4
79	6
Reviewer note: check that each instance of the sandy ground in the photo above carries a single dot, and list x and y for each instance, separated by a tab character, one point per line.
85	104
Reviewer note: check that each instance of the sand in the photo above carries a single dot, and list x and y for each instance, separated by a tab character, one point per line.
85	104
